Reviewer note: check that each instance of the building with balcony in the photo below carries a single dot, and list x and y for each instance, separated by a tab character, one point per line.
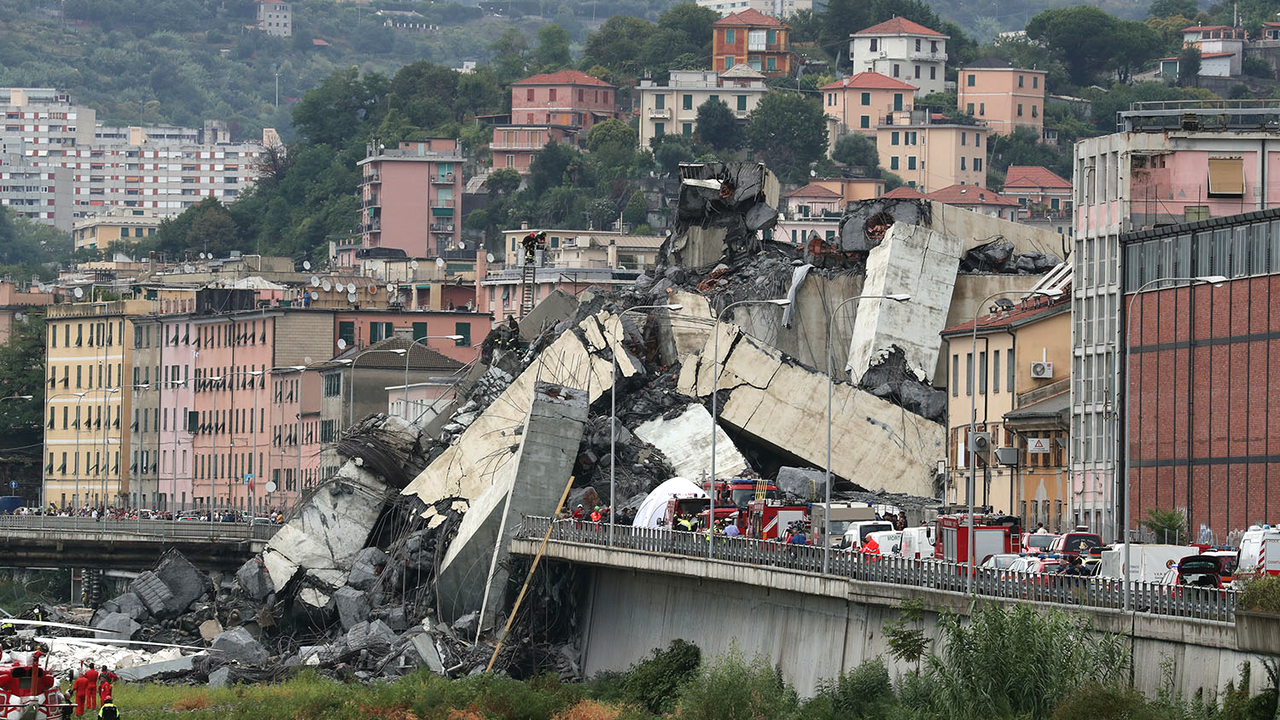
1017	384
752	38
1038	190
903	50
125	225
275	17
673	108
930	151
1172	163
587	249
855	104
513	146
410	197
776	8
1002	96
565	98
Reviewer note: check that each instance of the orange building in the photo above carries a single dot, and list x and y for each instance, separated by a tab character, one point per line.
751	37
1002	96
858	103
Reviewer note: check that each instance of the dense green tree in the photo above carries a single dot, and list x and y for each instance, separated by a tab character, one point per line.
1090	41
610	134
334	112
1189	66
22	363
1107	104
841	19
618	43
510	53
1169	8
26	245
503	181
788	132
552	52
1023	147
671	150
718	127
858	150
637	210
549	167
206	226
695	22
1257	67
806	25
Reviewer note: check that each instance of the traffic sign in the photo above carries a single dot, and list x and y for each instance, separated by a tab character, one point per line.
13	484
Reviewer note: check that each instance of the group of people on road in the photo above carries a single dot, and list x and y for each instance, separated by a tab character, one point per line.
602	514
91	690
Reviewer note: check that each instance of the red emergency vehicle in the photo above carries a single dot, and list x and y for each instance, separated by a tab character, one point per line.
767	519
992	534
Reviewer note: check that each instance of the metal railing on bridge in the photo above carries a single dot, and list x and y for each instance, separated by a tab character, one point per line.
55	528
1106	593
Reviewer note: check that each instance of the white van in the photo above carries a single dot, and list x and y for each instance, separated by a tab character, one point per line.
888	541
1260	550
857	532
1147	563
917	543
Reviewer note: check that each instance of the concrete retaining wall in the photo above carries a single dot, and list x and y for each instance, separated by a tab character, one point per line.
815	627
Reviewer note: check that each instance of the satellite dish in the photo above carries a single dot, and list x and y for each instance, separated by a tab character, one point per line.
306	360
373	289
327	287
489	257
315	295
271	486
439	262
306	264
413	264
204	256
342	344
340	287
462	245
315	281
391	289
78	292
351	297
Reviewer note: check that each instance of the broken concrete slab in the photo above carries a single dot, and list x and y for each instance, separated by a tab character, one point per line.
489	445
472	575
370	635
219	678
802	482
129	604
238	645
686	441
182	578
425	646
155	595
778	402
916	261
683	331
324	536
210	629
352	606
253	579
115	626
364	570
550	311
138	673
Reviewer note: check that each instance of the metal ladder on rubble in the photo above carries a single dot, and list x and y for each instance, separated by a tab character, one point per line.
528	276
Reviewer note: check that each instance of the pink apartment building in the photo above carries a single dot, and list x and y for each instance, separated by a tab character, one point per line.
361	329
857	104
1002	96
176	399
513	146
566	98
411	197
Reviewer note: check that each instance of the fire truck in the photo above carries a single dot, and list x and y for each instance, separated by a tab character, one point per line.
992	534
736	493
768	519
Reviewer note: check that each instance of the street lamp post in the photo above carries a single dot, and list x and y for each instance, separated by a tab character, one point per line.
613	412
715	390
1128	347
419	341
826	513
972	490
351	408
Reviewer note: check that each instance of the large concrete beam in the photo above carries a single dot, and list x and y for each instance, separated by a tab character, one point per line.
686	442
577	359
922	263
781	403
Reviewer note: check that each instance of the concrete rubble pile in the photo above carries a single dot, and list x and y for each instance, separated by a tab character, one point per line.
400	560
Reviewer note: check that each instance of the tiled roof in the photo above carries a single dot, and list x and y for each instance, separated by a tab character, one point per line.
1203	56
563	77
751	17
903	193
1198	28
743	70
869	81
899	26
969	195
814	191
1034	176
1024	311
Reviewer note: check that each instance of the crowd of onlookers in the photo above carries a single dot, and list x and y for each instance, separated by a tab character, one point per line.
110	512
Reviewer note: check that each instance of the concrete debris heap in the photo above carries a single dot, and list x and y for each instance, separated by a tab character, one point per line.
400	560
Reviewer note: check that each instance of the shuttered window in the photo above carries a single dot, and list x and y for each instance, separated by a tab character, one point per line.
1226	176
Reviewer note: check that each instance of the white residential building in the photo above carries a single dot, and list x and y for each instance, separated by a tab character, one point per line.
275	17
776	8
902	50
673	108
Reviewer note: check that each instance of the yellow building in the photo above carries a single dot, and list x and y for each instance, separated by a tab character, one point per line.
118	224
88	398
1018	383
930	152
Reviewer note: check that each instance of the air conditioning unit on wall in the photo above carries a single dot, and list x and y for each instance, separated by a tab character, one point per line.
1041	369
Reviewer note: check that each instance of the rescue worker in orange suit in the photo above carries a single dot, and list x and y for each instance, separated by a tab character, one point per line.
104	687
81	689
91	689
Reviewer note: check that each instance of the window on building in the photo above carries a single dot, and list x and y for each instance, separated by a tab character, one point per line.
875	44
963	141
865	121
971	80
1019	109
659	102
897	70
977	164
968	369
982	109
933	46
347	332
1035	81
866	99
551	94
379	331
687	102
686	129
659	129
1035	111
969	108
917	72
933	72
730	37
1020	78
771	63
742	103
893	163
893	138
771	37
463	329
955	375
911	162
1226	176
728	63
919	43
995	371
528	95
962	163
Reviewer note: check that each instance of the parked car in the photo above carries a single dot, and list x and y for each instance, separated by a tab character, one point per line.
1037	543
1075	543
1000	561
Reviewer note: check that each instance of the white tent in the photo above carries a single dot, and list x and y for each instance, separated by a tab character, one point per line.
651	510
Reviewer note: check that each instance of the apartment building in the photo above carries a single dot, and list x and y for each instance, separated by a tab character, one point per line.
673	108
929	151
586	249
1038	189
752	38
59	166
903	50
1171	163
1002	96
565	98
1017	377
19	306
776	8
89	392
275	17
513	146
118	224
411	197
856	104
